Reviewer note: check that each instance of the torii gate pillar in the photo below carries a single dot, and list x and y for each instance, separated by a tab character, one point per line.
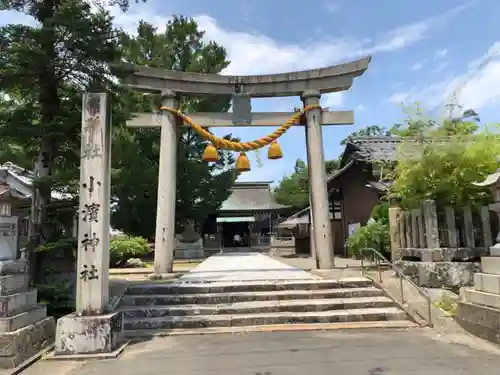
319	205
165	209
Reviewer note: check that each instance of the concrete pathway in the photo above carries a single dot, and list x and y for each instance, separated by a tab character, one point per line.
353	352
307	263
244	267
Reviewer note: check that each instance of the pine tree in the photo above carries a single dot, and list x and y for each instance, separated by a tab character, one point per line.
201	188
43	70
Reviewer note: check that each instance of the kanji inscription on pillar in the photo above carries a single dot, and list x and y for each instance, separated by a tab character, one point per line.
89	273
93	221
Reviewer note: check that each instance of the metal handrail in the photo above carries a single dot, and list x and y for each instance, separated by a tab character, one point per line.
401	275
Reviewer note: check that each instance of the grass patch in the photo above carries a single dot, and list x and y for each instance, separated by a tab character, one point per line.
447	304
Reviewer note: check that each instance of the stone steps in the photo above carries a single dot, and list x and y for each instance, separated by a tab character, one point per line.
234	297
247	286
385	324
151	308
490	265
252	307
486	282
231	320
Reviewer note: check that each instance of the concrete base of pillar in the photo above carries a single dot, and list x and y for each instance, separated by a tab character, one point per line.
88	335
19	345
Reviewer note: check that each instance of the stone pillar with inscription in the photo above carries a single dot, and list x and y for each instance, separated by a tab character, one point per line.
25	328
92	329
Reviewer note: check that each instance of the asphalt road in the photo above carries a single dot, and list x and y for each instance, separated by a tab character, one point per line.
350	352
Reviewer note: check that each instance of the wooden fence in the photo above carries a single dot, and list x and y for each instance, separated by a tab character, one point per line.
431	228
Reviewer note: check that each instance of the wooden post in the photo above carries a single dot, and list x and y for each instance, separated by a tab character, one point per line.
395	235
468	228
431	224
451	228
485	222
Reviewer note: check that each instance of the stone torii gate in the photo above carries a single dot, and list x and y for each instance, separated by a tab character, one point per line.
309	85
94	328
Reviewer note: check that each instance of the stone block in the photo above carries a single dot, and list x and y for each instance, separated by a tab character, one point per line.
19	345
88	334
444	254
490	265
478	320
495	251
480	298
439	274
20	320
9	267
16	303
238	320
9	231
10	284
486	282
189	253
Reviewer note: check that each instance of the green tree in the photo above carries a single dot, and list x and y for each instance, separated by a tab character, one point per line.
417	124
43	70
293	190
201	187
441	160
444	169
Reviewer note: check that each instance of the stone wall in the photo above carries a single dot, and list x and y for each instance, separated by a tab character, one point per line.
282	246
440	248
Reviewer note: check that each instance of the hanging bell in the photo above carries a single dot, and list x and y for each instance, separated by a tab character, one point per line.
210	153
274	152
242	163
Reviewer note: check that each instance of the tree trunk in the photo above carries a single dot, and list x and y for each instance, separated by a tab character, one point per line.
49	108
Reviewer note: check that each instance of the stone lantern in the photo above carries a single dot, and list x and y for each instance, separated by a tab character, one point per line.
493	182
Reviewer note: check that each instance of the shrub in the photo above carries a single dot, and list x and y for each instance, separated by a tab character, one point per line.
375	234
123	248
57	297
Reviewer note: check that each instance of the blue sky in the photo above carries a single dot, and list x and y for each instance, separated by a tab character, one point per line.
421	51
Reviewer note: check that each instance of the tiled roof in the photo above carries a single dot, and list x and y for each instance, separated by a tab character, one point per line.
386	148
250	196
20	180
374	148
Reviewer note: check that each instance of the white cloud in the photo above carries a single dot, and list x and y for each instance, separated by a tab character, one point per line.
331	7
418	65
360	108
9	16
333	100
477	87
254	53
414	32
439	54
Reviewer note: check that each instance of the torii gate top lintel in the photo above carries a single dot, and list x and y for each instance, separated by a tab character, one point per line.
325	80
